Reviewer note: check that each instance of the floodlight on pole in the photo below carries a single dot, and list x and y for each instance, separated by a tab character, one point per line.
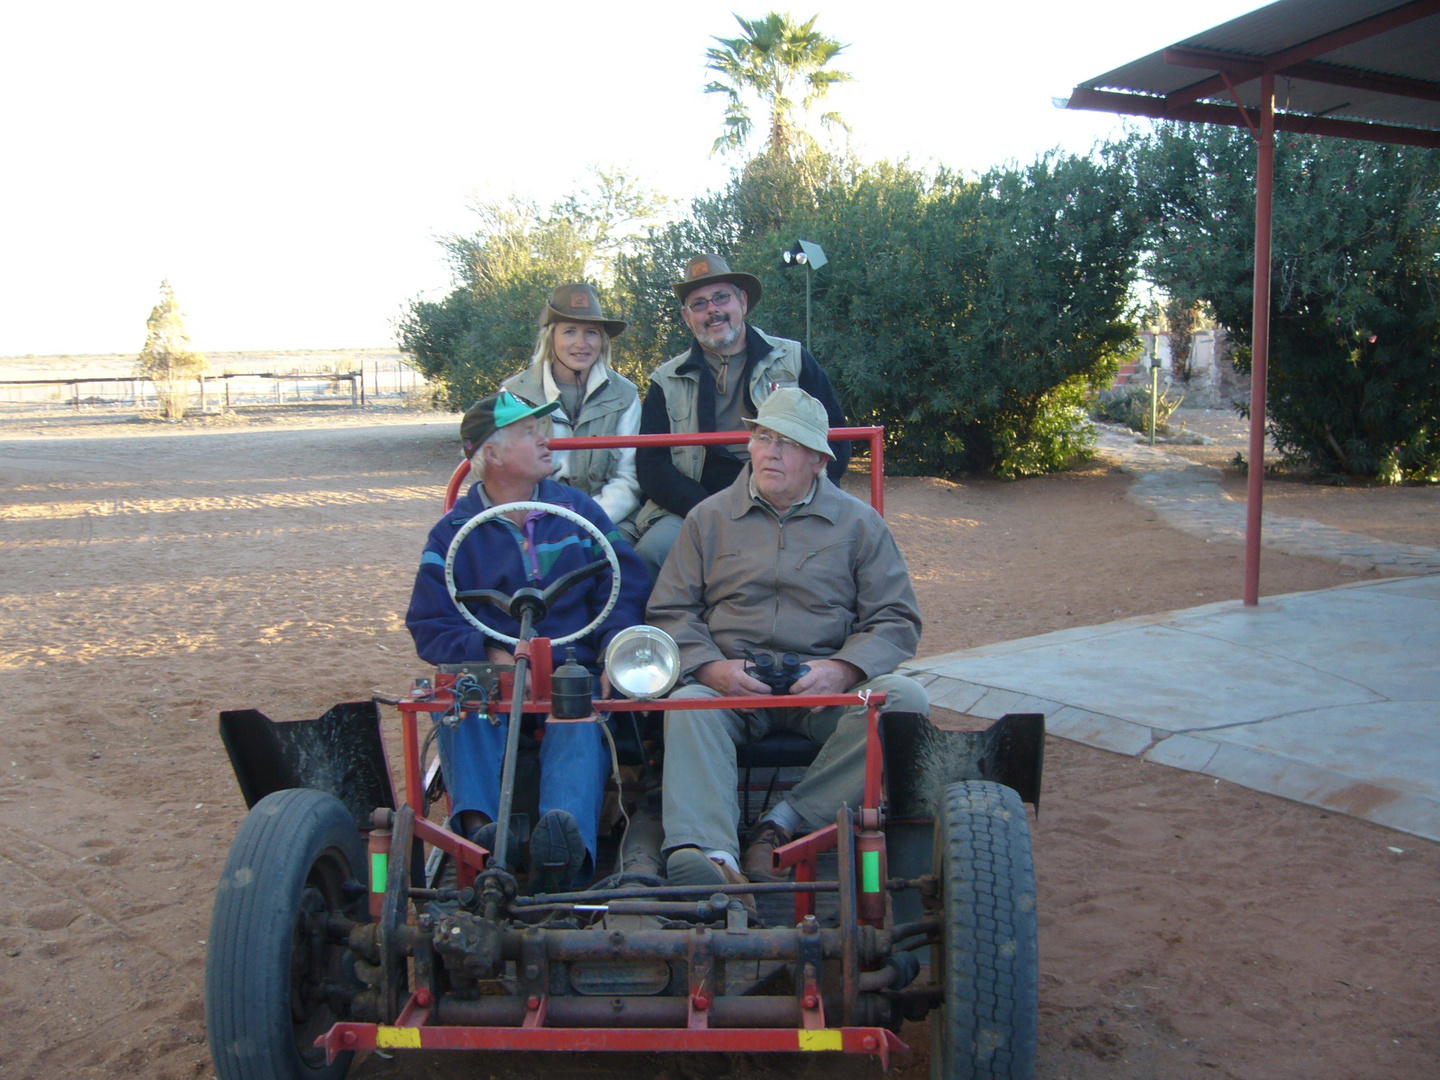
812	258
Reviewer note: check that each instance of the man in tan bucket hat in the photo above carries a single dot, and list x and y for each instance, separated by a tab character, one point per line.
718	383
846	609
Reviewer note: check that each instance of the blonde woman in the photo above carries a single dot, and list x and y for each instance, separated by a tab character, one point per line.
571	365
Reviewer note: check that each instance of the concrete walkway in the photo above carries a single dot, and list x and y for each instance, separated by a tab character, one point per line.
1189	497
1331	698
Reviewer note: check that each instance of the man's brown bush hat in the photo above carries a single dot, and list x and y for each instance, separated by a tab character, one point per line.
579	302
705	269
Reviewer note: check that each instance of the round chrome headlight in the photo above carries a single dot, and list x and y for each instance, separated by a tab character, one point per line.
642	662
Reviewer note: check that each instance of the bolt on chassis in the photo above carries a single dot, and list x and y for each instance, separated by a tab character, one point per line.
346	920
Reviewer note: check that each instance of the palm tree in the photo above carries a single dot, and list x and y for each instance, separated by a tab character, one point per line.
772	59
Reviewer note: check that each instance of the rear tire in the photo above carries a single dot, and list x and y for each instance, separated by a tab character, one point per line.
988	960
270	972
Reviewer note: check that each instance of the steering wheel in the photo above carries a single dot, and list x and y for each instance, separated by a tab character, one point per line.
555	588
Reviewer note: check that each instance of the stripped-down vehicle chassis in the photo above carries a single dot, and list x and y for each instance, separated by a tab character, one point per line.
328	936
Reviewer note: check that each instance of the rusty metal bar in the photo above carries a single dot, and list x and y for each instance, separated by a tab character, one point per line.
613	1012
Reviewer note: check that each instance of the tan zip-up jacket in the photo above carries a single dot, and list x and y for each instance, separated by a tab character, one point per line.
827	581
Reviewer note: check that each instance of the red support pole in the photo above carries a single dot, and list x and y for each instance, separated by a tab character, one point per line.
1260	336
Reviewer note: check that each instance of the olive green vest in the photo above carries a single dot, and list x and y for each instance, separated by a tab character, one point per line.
780	366
588	470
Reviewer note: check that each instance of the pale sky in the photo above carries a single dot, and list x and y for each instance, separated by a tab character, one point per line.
289	166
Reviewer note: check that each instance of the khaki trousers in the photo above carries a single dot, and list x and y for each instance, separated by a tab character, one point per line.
700	803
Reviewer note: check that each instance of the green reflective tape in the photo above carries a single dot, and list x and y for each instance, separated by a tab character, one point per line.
870	871
379	871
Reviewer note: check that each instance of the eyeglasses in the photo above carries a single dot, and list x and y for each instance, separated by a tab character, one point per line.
719	299
764	440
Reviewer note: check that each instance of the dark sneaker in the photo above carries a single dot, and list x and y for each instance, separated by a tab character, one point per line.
691	866
758	861
485	837
557	852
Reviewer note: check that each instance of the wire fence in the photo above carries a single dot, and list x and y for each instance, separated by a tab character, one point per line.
369	382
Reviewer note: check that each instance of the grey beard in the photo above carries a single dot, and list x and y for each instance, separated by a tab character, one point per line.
717	344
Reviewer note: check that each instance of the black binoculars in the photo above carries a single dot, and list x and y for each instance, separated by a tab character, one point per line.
778	673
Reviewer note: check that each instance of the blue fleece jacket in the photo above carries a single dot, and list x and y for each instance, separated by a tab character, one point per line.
499	555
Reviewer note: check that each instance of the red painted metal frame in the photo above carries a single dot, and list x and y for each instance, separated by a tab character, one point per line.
875	436
470	857
803	854
878	1042
411	1030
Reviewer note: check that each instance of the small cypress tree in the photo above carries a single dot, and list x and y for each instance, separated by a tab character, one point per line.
167	359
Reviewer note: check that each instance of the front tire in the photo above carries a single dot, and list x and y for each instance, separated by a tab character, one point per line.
271	971
988	960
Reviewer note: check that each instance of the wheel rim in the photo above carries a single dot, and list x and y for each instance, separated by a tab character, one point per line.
317	975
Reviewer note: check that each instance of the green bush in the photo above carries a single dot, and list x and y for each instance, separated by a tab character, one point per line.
1354	362
968	317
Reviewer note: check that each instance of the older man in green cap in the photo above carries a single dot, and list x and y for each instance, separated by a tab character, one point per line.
719	381
781	561
509	453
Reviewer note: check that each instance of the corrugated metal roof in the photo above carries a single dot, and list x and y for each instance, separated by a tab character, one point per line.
1377	63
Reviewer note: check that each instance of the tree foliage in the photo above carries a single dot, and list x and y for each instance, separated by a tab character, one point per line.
1354	360
968	317
483	331
167	359
773	60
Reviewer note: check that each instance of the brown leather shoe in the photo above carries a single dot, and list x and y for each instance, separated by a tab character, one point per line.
758	862
691	866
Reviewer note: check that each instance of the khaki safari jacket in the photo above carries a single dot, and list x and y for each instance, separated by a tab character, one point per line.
827	582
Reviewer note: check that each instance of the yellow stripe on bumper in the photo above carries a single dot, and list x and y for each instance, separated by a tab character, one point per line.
398	1038
828	1039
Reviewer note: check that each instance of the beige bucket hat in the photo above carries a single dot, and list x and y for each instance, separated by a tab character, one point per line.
791	412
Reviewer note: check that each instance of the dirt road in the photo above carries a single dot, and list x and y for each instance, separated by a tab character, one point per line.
154	575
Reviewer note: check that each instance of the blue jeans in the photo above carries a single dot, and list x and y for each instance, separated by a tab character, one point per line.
574	763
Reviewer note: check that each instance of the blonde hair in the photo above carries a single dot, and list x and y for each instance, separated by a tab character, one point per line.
545	343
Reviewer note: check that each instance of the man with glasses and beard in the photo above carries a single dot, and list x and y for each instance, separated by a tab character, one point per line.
716	384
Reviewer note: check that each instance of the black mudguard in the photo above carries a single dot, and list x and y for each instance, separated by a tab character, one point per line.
921	760
340	752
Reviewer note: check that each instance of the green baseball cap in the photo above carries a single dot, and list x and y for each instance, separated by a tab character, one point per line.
490	414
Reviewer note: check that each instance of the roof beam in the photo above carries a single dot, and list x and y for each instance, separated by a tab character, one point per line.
1246	68
1157	108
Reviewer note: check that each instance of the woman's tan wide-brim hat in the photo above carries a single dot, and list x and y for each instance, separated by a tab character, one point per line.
703	269
579	302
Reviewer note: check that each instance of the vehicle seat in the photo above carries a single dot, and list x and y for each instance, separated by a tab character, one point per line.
778	750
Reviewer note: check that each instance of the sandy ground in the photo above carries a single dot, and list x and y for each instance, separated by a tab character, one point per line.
156	574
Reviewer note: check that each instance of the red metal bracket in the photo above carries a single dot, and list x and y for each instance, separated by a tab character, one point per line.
803	854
